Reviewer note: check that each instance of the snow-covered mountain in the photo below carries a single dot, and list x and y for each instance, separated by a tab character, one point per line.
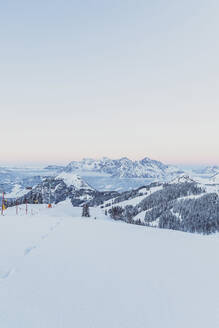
64	186
103	175
73	180
182	179
14	180
208	170
124	168
184	205
180	204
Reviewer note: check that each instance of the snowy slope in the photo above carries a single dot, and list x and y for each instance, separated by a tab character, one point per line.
208	185
74	180
59	270
141	194
182	204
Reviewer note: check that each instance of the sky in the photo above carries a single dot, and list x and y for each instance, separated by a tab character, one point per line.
109	78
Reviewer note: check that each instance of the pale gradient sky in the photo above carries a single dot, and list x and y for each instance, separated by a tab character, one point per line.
109	78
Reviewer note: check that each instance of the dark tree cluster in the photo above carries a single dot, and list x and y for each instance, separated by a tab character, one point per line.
181	206
116	212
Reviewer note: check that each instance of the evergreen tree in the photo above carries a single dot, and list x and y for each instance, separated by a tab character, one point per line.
86	211
116	212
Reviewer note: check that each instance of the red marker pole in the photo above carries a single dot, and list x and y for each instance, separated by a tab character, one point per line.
49	205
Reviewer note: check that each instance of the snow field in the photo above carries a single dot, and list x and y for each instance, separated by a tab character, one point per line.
59	270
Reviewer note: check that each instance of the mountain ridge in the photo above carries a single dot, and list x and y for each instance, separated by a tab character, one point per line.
124	168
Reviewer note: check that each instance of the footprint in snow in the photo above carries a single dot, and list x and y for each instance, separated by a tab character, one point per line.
55	225
44	236
5	274
28	250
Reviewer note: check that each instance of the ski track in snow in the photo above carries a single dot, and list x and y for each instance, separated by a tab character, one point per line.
43	237
4	274
29	249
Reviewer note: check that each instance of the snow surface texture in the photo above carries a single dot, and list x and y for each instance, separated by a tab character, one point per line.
60	270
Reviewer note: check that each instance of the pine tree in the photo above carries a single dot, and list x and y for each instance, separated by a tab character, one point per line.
86	211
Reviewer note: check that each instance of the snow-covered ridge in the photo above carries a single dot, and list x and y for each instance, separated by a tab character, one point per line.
74	180
208	170
182	179
124	168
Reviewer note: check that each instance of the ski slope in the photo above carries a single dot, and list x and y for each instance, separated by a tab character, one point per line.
58	270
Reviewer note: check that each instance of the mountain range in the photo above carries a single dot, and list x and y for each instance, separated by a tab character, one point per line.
208	170
181	204
103	174
61	187
124	168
